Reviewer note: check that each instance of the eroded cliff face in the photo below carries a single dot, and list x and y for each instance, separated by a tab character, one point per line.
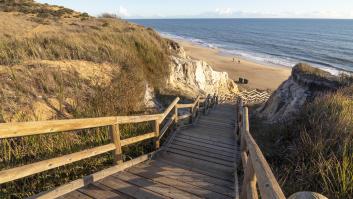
303	86
190	77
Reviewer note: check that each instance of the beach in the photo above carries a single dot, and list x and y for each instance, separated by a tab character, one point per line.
260	76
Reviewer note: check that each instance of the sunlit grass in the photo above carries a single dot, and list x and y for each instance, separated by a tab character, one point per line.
313	153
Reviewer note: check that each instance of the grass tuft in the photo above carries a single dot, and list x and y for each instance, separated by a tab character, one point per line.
315	151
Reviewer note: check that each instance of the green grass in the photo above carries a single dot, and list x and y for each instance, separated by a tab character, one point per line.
315	152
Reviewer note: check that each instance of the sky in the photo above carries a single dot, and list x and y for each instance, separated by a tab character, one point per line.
213	8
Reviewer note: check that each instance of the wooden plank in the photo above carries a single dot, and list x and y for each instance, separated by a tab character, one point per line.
139	138
203	153
206	141
156	187
129	189
30	169
225	121
204	145
202	148
222	114
215	125
137	118
8	130
95	191
187	163
115	137
74	195
249	190
67	188
215	133
227	166
180	106
166	127
98	184
189	188
228	121
182	117
206	137
183	182
218	122
156	130
175	170
17	129
169	109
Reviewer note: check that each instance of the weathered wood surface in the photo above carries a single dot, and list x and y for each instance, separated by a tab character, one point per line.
198	162
26	170
256	169
19	129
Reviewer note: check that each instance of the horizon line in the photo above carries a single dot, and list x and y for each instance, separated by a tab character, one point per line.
161	18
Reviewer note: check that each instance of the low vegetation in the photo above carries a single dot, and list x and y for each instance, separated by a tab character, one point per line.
56	63
314	152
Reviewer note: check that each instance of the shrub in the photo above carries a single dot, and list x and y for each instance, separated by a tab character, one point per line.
315	151
109	16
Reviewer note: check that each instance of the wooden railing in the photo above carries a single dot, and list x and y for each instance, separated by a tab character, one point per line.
255	167
12	130
258	175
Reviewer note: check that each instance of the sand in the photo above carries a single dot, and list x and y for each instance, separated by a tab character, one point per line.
260	76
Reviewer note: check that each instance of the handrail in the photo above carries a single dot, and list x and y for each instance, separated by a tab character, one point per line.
257	171
21	129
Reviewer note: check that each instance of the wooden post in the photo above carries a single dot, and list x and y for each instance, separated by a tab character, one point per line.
249	183
176	117
214	99
249	190
115	136
156	130
192	115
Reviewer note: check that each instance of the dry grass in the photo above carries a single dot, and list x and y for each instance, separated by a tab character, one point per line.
306	69
315	152
43	54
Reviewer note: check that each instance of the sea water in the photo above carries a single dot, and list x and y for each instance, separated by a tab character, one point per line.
324	43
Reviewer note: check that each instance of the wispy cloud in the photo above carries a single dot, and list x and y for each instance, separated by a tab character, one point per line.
224	11
229	13
123	12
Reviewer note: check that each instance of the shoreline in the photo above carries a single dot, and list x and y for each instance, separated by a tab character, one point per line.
260	75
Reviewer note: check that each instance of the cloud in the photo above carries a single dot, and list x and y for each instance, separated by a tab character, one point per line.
123	12
224	11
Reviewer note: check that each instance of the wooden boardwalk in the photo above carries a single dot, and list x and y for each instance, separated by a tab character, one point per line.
197	162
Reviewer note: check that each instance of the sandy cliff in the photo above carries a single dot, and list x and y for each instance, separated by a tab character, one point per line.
190	77
303	86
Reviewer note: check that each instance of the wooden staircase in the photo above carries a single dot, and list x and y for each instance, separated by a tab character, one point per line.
197	162
200	159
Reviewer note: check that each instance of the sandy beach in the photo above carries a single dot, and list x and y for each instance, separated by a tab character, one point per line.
260	76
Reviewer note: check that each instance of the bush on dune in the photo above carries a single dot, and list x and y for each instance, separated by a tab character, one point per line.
315	152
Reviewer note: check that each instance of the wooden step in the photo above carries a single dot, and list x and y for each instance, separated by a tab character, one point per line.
193	187
162	189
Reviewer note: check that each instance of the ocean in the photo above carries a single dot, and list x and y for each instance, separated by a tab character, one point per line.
324	43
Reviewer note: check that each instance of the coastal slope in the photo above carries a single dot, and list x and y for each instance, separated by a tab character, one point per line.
57	63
